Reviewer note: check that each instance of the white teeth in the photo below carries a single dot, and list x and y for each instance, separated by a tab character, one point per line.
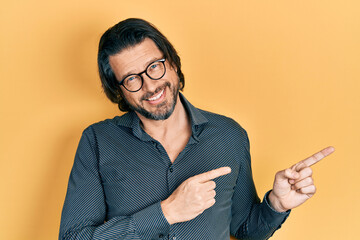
157	96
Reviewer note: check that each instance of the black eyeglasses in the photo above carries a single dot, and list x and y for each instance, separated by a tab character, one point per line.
154	71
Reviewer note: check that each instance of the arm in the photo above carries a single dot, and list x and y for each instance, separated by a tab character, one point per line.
250	218
84	211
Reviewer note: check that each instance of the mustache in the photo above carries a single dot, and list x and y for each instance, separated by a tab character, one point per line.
157	90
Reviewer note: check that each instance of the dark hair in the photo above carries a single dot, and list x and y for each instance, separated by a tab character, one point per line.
125	34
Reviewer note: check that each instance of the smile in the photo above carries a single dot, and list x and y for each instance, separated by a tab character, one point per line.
157	96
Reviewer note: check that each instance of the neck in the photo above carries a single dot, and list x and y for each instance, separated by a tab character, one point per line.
160	129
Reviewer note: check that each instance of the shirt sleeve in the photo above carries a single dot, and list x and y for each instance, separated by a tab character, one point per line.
252	219
84	211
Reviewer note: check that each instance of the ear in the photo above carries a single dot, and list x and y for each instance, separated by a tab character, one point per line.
120	93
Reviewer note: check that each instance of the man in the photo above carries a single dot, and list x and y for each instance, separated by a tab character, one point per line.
165	169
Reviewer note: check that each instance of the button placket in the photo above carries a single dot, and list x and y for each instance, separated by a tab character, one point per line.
172	237
172	178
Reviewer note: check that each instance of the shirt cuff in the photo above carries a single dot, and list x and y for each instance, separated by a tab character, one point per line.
151	222
271	216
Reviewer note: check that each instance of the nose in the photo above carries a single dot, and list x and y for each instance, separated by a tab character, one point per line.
149	85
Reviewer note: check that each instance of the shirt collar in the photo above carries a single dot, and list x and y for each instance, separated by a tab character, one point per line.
132	121
196	117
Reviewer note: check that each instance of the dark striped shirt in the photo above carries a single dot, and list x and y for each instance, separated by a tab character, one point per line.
120	175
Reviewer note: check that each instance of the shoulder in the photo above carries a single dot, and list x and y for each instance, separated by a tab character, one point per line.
106	126
221	120
224	124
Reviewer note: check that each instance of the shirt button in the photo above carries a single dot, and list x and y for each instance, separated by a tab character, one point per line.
161	235
171	169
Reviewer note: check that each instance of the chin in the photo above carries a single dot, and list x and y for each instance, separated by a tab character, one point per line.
158	115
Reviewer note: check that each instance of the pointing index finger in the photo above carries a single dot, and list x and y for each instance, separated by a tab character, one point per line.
315	158
207	176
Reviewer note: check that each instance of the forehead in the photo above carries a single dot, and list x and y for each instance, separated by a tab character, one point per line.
134	59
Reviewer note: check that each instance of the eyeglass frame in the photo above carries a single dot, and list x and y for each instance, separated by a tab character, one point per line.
145	71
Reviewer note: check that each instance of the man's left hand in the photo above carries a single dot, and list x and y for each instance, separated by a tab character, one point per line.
293	186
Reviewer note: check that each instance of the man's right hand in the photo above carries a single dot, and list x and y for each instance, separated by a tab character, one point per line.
192	197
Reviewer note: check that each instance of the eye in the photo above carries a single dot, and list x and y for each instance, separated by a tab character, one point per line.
129	79
154	65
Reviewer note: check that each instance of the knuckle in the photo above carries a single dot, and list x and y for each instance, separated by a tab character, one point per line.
190	179
189	182
200	204
198	198
187	186
208	174
197	194
211	202
201	211
310	180
193	181
306	172
309	171
279	173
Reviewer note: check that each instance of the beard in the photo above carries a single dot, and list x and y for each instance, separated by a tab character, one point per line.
163	110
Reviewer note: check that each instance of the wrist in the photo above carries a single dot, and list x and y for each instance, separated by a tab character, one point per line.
166	211
275	203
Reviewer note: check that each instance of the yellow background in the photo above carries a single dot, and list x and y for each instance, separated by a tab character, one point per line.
287	71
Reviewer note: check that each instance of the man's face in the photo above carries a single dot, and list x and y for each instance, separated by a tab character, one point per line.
157	98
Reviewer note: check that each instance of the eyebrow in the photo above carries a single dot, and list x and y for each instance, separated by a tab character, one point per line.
154	59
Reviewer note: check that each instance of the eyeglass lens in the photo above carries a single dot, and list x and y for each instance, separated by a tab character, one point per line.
155	71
